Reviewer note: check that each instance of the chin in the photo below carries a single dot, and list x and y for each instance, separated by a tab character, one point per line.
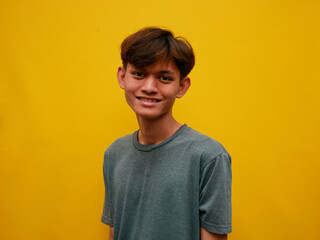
150	115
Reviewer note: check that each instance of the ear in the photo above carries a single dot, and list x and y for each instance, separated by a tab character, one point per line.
183	87
121	74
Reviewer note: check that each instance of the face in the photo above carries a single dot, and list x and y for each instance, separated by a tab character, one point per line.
151	91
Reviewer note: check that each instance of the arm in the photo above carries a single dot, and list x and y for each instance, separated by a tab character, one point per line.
215	198
111	234
205	235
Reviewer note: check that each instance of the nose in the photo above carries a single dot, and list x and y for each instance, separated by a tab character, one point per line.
149	85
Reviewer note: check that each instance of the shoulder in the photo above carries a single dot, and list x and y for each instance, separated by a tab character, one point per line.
207	148
120	144
204	143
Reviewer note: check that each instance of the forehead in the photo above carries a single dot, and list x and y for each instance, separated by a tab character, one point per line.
168	67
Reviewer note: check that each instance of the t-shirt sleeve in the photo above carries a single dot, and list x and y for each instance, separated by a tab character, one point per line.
107	214
215	195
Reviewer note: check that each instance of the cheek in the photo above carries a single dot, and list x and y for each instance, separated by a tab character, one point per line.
129	96
171	92
130	86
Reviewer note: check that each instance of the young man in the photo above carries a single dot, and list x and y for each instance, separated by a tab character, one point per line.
165	181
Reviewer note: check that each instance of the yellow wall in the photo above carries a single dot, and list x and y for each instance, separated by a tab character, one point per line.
255	88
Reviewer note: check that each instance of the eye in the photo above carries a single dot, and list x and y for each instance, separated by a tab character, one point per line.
137	74
166	78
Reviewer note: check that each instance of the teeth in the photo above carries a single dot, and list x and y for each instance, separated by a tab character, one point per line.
148	100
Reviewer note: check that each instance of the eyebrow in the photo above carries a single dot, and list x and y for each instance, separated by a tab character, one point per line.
166	71
162	71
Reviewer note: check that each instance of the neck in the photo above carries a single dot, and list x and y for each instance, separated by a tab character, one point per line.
156	131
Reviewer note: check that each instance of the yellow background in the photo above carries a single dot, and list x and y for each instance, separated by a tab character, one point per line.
255	88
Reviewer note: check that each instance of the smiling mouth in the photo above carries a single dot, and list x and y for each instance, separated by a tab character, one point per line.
148	100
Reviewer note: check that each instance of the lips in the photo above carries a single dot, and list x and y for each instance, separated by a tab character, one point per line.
151	100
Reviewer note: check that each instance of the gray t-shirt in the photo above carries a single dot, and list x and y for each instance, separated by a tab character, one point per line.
168	190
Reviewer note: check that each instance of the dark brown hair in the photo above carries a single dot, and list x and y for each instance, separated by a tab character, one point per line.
152	44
